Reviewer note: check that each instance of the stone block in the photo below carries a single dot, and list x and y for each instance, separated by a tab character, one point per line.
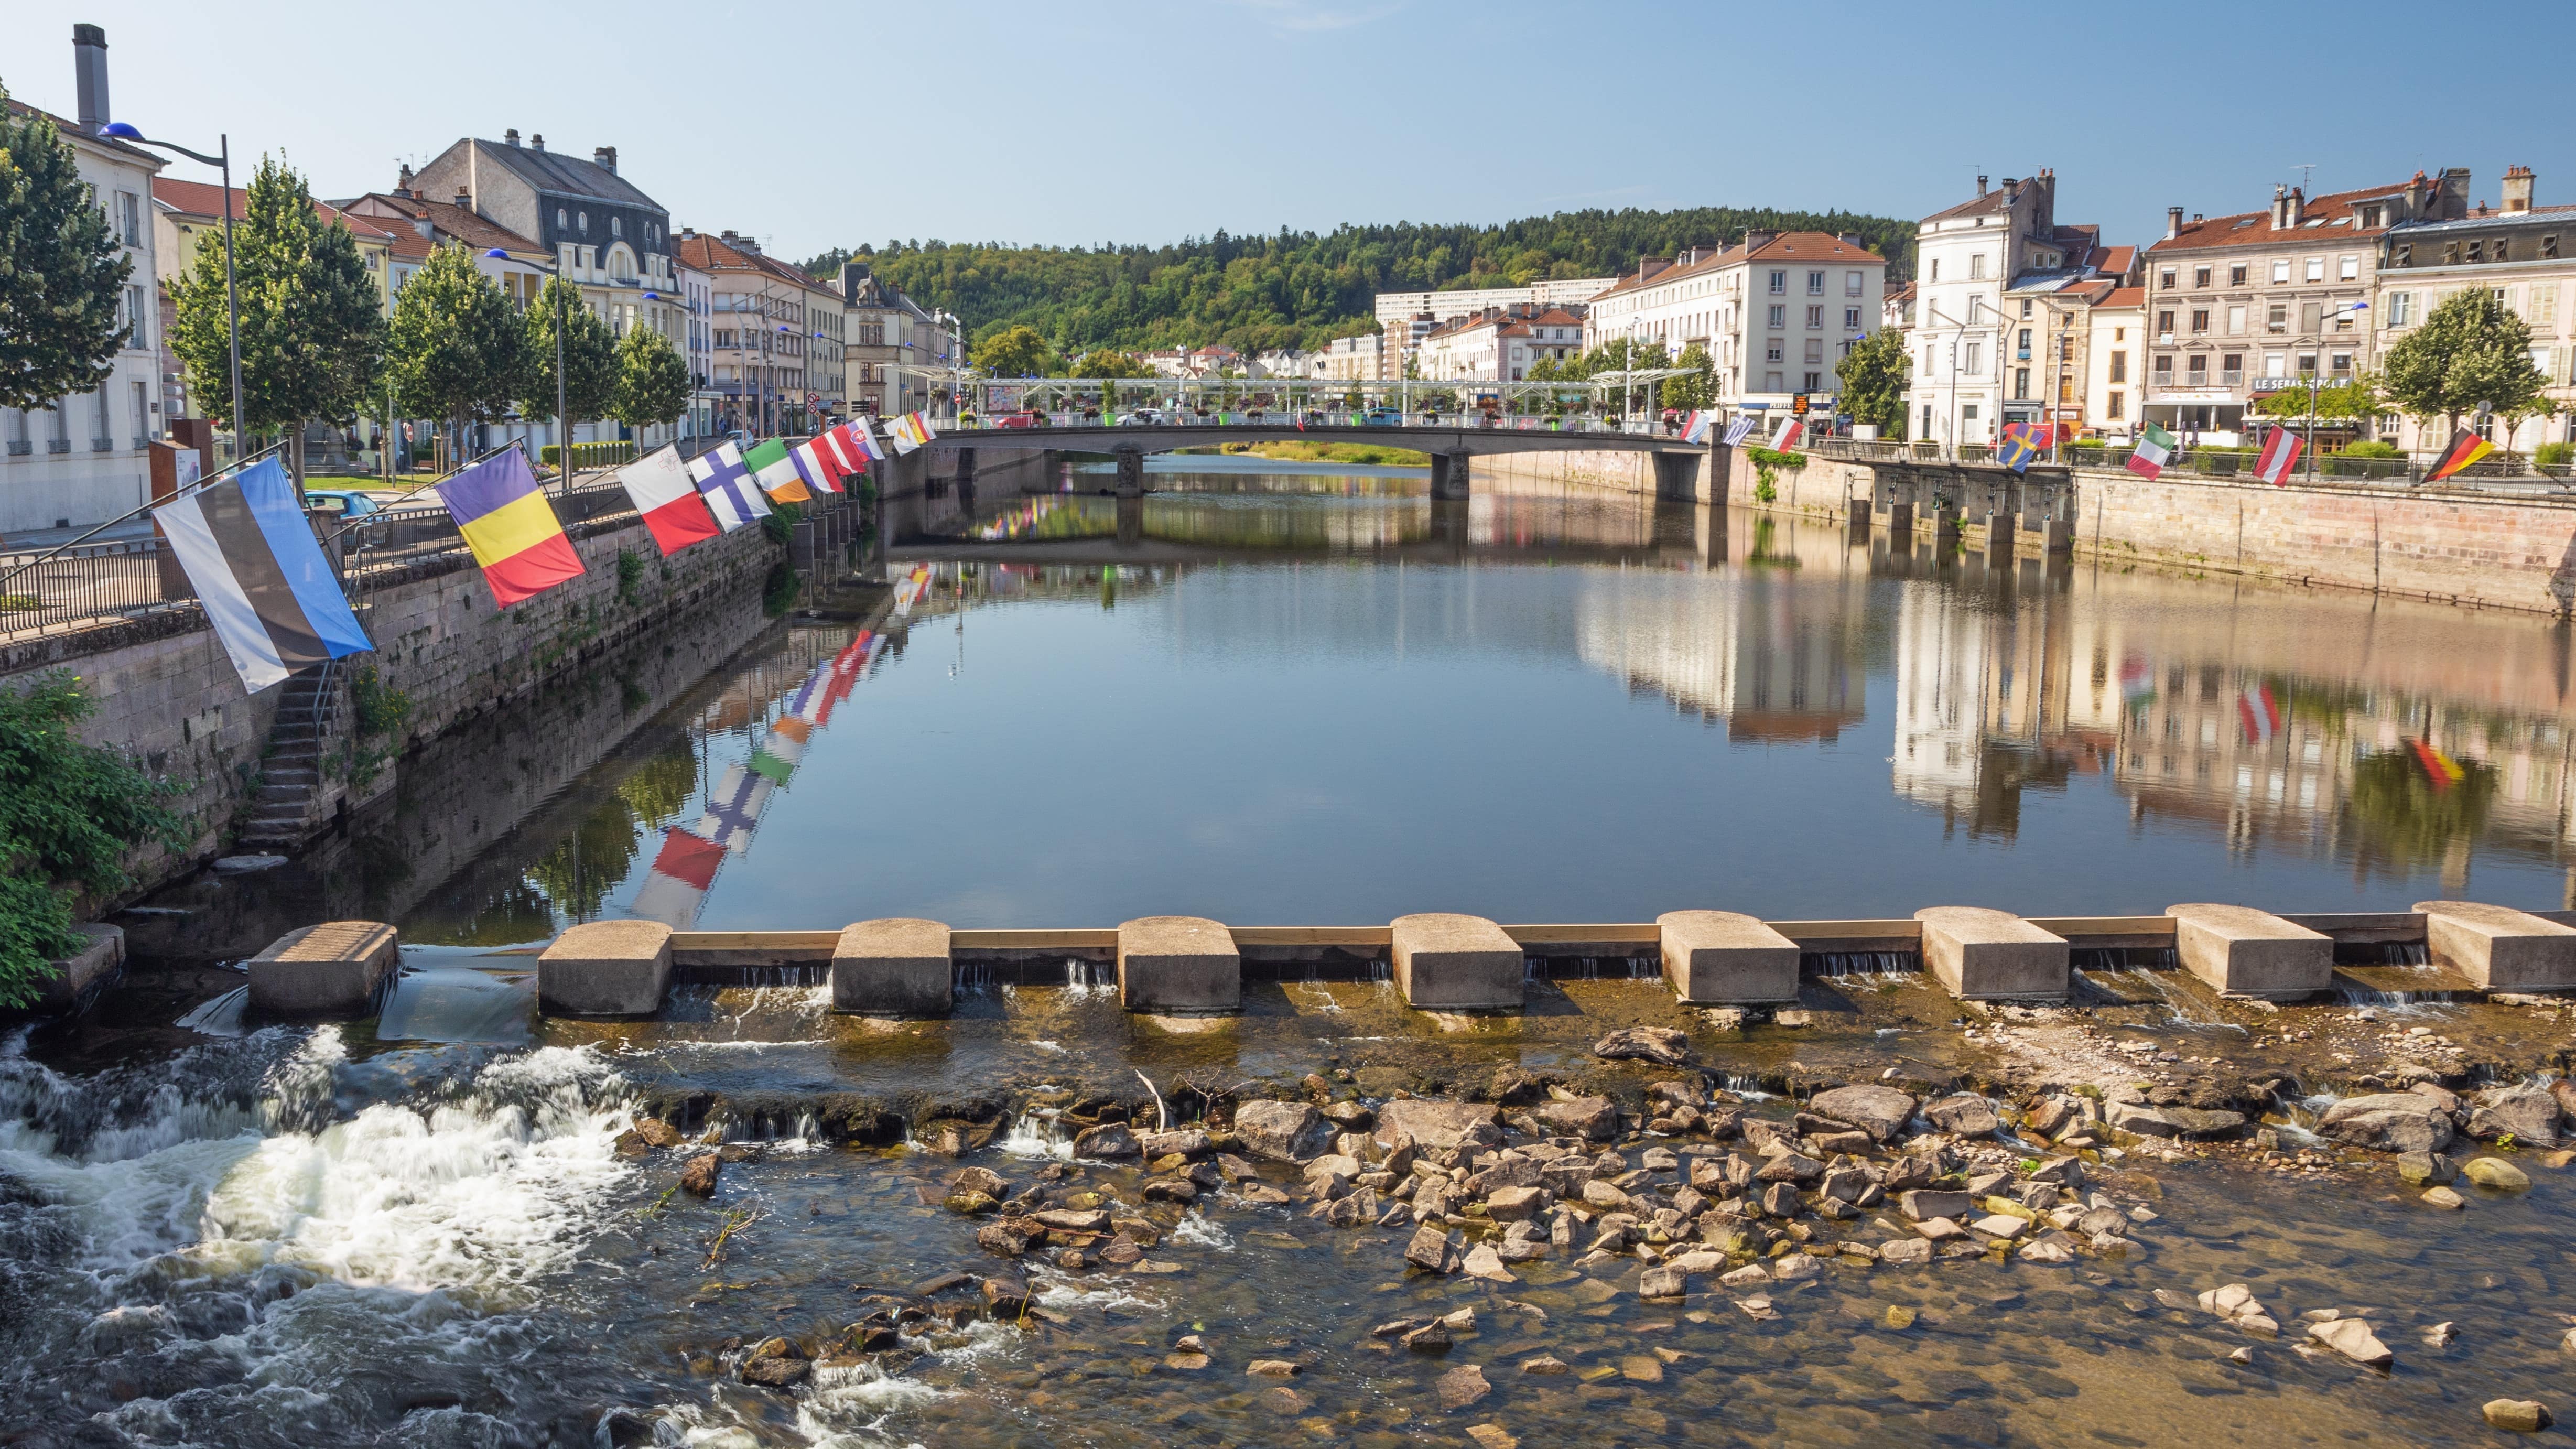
897	966
2499	948
1456	963
2241	951
85	971
606	968
338	968
1980	954
1178	963
1723	958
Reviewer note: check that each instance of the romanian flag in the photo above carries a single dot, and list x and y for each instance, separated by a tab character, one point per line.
775	471
510	526
2464	448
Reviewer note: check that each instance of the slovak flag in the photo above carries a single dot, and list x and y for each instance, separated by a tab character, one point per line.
864	438
1790	432
2280	454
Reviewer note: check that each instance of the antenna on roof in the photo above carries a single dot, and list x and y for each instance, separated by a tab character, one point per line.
2307	176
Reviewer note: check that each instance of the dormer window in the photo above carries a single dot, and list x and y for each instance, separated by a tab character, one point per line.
583	221
616	226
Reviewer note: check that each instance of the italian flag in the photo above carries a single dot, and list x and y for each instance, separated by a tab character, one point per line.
2155	449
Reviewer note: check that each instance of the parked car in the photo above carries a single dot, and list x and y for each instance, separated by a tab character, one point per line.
1143	418
1384	418
341	502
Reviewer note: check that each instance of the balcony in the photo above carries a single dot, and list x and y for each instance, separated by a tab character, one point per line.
58	445
102	445
20	447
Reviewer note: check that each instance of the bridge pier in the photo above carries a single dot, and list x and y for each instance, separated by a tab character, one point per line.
1131	519
1449	525
1449	474
1999	538
1900	518
1677	475
1131	472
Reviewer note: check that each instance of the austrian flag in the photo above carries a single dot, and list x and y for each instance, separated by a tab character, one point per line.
2280	455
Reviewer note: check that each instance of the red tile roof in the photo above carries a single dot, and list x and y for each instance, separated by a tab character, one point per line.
2124	297
2331	215
1804	246
460	223
71	127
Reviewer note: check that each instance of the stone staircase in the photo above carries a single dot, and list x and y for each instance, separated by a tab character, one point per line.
289	804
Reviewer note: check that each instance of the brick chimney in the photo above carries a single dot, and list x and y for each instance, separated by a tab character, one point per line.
1649	266
89	76
1981	185
2517	188
606	156
464	199
2294	208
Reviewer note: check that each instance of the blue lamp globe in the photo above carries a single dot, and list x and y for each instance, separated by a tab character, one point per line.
120	131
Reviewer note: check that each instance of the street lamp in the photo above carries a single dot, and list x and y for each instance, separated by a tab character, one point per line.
563	454
2313	381
222	161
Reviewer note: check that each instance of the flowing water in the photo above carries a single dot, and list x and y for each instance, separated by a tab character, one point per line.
1312	701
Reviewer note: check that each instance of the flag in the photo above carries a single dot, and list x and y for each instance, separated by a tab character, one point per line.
2464	448
899	432
2439	768
775	471
1738	431
1697	429
909	592
776	757
865	437
1790	431
677	884
734	809
2020	446
2155	449
814	466
2137	682
510	525
922	424
2260	713
2280	454
726	485
659	485
835	447
271	596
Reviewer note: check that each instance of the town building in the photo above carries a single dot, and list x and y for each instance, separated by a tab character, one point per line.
1408	316
1775	312
2113	347
606	235
902	356
779	342
1498	344
2239	304
1993	341
697	322
2527	254
83	459
1351	359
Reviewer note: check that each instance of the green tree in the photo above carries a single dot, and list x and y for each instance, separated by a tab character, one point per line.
590	357
1106	363
60	269
69	811
1014	351
459	350
1697	390
653	382
1873	382
2471	352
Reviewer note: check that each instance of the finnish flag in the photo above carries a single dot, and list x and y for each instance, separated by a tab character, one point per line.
725	481
272	598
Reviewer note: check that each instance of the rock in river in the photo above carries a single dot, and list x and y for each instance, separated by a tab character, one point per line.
1645	1043
1282	1131
2527	1113
2497	1173
1879	1111
2521	1416
2352	1338
2388	1122
2147	1121
699	1177
1437	1124
1462	1386
1965	1114
1596	1118
1109	1139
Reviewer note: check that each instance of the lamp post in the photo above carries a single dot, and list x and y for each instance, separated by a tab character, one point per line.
1949	420
222	161
2313	380
563	453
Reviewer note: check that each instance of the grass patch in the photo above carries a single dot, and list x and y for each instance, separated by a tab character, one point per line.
1293	451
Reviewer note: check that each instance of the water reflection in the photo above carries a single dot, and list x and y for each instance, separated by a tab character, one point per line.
1342	701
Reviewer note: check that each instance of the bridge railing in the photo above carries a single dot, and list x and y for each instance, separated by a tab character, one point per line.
1288	420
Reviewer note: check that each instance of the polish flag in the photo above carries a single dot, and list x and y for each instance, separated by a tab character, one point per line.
661	489
2280	454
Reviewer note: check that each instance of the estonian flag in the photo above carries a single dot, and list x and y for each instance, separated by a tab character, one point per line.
272	597
2464	448
511	527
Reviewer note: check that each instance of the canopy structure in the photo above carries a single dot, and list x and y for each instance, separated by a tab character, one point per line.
1602	393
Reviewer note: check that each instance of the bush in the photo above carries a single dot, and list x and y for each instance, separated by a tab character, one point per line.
590	455
68	813
2551	455
2371	449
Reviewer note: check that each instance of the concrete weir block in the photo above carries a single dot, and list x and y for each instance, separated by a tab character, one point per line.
77	975
2499	948
606	968
337	968
897	966
2245	952
1178	963
1980	954
1456	963
1723	958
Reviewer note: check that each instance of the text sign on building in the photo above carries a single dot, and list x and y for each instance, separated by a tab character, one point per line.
2278	384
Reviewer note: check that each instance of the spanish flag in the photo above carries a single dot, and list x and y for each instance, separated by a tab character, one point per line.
2464	448
510	526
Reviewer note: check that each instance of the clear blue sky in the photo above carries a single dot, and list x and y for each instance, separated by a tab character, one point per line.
1076	123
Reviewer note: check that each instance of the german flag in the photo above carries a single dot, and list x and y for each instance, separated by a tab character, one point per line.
2464	448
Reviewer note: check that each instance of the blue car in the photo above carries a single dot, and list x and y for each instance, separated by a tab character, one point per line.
1384	418
343	503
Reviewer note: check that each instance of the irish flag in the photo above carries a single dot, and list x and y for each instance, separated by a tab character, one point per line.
775	472
2280	454
659	484
2464	448
2155	449
510	526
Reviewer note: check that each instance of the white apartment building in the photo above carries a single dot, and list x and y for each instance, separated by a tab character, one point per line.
2114	353
1350	359
697	344
1992	339
1498	345
1396	309
1775	312
2527	255
82	459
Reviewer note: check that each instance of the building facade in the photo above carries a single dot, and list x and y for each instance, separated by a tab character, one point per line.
697	321
1774	312
1499	344
900	355
1994	339
2237	305
1407	316
778	338
83	459
1350	359
2114	327
2527	255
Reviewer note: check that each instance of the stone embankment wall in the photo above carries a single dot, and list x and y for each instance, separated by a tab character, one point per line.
168	695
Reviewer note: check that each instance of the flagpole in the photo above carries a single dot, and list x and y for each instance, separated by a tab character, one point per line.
208	481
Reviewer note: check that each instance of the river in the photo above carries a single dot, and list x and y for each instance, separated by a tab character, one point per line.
1301	697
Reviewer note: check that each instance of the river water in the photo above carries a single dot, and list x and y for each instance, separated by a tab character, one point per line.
1305	698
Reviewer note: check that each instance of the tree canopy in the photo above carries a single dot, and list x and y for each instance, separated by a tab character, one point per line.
590	362
1104	362
2356	397
458	348
1014	351
1873	379
2471	352
60	269
1303	289
312	325
652	379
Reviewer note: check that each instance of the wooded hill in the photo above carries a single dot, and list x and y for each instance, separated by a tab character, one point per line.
1302	289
